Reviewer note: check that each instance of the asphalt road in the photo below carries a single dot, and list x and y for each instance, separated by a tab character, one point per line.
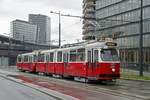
13	91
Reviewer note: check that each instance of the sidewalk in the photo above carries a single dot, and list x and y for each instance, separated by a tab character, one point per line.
9	68
58	95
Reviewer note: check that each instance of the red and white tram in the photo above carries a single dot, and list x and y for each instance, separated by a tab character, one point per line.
89	61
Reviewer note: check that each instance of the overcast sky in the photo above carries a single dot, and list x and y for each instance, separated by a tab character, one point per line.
19	9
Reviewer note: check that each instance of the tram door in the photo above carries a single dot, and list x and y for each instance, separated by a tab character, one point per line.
92	58
65	61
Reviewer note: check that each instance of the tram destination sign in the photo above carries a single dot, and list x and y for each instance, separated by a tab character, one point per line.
111	44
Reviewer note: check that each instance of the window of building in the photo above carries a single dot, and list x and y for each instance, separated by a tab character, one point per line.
145	56
148	56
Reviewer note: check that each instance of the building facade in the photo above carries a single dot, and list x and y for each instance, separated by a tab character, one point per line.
43	35
23	30
121	19
89	19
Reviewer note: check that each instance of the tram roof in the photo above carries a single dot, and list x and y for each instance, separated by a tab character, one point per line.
30	53
62	49
84	45
91	44
96	45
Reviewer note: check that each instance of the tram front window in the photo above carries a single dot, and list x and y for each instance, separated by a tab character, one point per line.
109	55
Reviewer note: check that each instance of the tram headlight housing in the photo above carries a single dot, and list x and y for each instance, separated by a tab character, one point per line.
113	67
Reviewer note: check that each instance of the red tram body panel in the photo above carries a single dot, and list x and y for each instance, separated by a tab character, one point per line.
68	69
19	65
50	68
41	67
59	68
105	71
32	67
78	69
25	66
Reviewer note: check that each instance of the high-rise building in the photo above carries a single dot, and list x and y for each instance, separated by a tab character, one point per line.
43	35
89	19
23	30
121	19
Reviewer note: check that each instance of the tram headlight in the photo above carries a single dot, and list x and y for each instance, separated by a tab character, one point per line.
113	70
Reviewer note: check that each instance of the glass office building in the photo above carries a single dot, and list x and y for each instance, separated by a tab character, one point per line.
43	22
121	19
23	30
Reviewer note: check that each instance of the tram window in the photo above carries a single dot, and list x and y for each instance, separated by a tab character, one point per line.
30	59
81	54
89	58
51	57
41	58
73	55
65	57
19	59
34	58
25	58
47	57
59	56
109	55
95	55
